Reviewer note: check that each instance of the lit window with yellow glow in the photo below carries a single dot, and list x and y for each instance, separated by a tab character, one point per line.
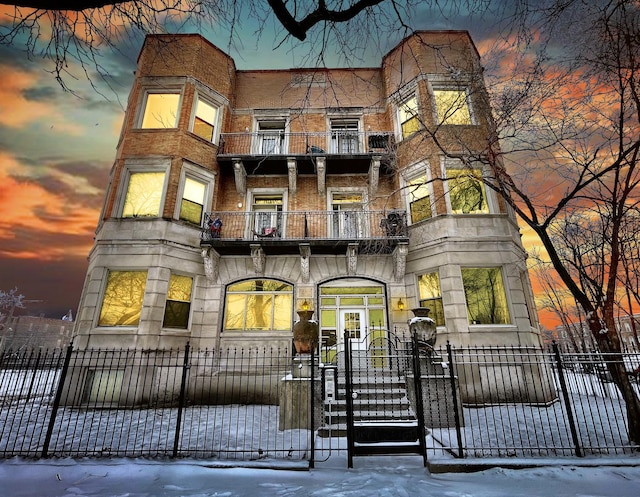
176	312
485	295
419	200
452	107
408	116
204	122
259	305
467	191
431	296
192	205
122	300
144	194
161	110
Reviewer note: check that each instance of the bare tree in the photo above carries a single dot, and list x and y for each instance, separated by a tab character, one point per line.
569	123
78	32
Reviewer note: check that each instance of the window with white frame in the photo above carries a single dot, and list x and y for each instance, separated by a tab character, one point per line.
485	294
122	299
344	136
205	120
408	117
271	137
348	214
466	189
267	214
160	110
452	106
176	311
193	198
431	296
194	193
144	193
419	199
259	304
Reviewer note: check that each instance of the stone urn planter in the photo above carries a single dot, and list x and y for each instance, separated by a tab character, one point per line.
423	326
305	333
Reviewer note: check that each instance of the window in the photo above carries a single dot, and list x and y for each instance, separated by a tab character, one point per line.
348	215
193	197
419	200
161	110
485	294
259	305
267	215
344	136
431	296
408	117
271	137
467	192
103	386
452	106
122	300
176	312
204	122
144	194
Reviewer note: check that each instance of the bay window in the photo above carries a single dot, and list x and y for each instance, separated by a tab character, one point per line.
176	312
452	107
431	296
160	110
485	295
122	299
144	191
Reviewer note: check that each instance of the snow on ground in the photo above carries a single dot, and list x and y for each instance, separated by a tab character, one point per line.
397	476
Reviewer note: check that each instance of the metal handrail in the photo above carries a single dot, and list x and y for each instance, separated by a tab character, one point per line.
275	143
304	225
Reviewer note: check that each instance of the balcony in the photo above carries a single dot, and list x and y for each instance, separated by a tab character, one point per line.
326	232
269	152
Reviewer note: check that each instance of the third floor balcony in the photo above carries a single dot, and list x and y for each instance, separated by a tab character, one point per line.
268	152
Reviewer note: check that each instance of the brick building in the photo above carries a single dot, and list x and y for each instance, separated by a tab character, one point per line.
356	192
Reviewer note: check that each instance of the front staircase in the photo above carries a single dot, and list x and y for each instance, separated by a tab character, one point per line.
382	413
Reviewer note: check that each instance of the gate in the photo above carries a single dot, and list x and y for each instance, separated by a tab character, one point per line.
381	419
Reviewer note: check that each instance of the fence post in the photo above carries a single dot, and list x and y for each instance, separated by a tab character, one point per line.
417	385
454	394
33	376
183	385
313	407
56	401
565	396
348	399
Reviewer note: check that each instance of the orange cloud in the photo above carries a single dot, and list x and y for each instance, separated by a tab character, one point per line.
16	111
23	204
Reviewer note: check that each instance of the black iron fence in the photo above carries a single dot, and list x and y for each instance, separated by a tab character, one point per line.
231	404
516	402
261	403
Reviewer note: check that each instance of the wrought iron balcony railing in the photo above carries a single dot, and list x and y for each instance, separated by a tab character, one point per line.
274	226
276	143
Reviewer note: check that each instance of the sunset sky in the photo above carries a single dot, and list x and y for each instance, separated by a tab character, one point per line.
57	147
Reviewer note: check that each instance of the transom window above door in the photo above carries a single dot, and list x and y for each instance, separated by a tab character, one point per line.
345	137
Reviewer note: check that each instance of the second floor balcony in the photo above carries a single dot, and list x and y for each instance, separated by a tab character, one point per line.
282	232
345	151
